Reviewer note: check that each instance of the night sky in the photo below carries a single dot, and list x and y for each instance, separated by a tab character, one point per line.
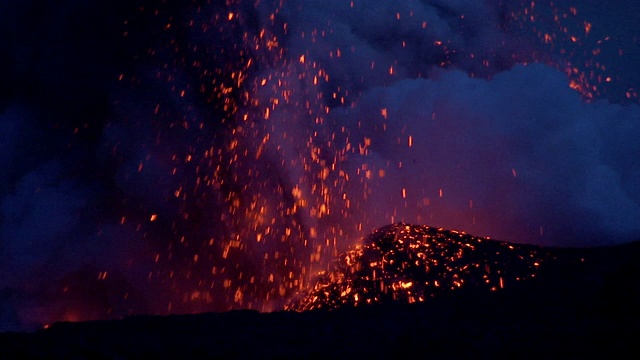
186	156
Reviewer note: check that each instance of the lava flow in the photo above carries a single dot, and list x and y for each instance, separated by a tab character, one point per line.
412	263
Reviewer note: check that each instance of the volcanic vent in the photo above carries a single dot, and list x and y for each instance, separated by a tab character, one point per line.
410	263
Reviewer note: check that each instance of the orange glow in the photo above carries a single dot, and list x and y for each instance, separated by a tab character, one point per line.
264	92
386	267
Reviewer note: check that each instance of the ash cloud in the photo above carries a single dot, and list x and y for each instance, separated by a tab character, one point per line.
519	157
59	209
515	152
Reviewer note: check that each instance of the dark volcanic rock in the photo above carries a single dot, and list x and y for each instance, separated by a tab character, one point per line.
413	263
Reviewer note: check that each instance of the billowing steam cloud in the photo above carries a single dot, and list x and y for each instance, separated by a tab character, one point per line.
519	157
208	156
493	149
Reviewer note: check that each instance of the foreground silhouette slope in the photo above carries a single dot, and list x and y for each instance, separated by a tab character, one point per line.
580	303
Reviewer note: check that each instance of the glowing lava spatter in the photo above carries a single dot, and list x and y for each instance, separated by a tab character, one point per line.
411	263
272	183
566	42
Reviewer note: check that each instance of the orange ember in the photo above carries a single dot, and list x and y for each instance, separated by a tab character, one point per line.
411	263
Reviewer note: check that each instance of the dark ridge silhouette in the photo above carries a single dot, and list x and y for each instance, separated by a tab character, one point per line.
576	303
